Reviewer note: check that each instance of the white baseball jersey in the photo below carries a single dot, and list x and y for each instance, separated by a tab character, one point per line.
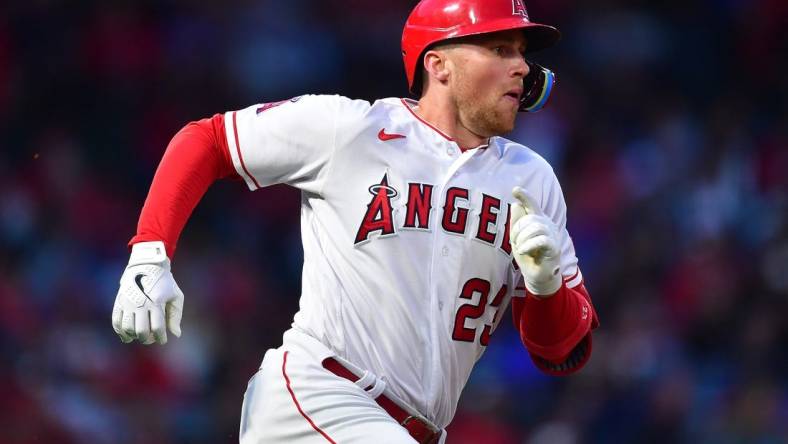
407	265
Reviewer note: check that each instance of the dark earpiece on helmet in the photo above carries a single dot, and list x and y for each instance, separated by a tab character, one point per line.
537	86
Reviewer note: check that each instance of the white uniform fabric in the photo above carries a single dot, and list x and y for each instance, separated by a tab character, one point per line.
413	300
293	399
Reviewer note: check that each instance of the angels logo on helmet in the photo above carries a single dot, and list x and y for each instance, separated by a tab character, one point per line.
518	8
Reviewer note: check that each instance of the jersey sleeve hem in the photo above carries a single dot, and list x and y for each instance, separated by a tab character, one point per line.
234	146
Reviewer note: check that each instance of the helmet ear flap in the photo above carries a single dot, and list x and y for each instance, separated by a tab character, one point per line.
537	86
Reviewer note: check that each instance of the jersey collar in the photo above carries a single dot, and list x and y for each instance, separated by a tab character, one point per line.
410	103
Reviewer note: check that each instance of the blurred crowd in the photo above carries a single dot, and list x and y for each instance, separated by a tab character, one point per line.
668	130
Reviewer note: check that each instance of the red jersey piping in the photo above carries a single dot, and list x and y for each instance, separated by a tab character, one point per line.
238	149
405	104
298	406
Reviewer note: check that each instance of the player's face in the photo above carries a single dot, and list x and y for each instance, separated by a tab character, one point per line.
487	81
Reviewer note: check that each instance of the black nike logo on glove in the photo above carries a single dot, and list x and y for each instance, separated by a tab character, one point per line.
138	281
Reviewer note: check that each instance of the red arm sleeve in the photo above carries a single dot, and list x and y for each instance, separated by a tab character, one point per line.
557	330
195	158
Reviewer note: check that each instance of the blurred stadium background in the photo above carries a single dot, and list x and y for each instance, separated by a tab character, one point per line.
668	130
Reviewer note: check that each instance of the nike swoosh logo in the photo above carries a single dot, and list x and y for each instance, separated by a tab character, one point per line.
138	281
382	135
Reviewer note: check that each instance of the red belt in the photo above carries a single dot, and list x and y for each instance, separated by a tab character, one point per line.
418	428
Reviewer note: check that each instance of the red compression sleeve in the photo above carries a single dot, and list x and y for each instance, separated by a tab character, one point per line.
195	158
557	330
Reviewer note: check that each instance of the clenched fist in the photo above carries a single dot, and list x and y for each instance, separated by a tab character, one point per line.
534	240
149	301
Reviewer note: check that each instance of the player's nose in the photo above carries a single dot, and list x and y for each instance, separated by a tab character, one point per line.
520	68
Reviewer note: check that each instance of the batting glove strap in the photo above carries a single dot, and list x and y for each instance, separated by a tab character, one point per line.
149	253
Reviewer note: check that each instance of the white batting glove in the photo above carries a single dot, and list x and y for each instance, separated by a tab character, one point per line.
534	240
148	301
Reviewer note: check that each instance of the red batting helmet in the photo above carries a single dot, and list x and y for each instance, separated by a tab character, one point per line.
433	21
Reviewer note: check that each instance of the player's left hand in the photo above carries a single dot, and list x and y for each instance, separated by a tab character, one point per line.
534	241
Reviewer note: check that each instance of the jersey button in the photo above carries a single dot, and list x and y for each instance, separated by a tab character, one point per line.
440	305
450	151
445	251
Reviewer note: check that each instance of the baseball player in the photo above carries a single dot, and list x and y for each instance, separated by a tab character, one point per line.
420	225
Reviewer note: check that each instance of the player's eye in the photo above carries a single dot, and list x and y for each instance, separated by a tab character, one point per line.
508	51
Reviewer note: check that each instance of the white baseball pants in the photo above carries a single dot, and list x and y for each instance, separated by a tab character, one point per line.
293	399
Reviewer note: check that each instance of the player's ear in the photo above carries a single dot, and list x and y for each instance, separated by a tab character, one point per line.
436	65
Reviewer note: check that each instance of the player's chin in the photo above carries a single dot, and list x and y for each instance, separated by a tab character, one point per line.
506	116
498	127
506	127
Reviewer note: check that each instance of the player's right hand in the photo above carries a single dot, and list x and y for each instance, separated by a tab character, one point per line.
149	301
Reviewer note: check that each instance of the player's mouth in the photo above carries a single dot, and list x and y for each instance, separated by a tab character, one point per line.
514	95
